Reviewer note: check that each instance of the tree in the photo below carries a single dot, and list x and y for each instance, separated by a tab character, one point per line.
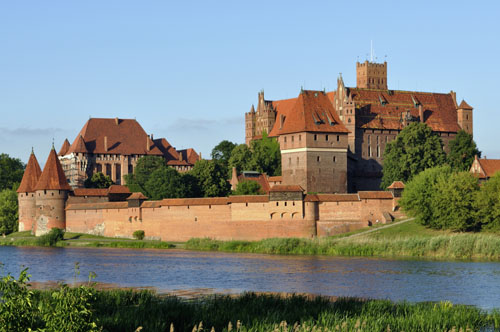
266	156
415	149
248	188
145	167
11	171
8	211
165	182
222	152
463	149
488	203
98	180
419	194
192	189
211	178
241	158
454	202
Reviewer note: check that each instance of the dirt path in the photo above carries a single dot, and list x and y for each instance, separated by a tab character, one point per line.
378	228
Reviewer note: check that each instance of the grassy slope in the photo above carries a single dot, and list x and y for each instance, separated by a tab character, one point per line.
405	240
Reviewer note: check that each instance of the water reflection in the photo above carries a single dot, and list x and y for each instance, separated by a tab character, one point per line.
174	270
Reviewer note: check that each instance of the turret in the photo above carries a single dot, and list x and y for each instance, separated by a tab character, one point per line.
371	75
51	193
249	125
26	194
464	117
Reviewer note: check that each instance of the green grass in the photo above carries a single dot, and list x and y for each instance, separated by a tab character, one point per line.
406	240
126	310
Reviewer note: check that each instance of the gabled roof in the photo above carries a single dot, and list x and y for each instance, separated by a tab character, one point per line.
189	155
78	146
167	149
94	192
311	112
397	185
261	179
439	109
64	148
489	166
137	195
464	105
123	136
31	175
52	177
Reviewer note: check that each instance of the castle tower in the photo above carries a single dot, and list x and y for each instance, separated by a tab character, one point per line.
371	75
346	109
26	194
51	193
249	125
464	117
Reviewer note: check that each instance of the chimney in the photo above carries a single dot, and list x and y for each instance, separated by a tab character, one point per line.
117	121
234	179
180	156
152	137
421	112
282	120
148	144
106	143
200	155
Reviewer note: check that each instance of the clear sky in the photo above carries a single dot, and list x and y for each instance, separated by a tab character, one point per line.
188	70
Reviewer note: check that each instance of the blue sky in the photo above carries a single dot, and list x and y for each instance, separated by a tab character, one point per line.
188	70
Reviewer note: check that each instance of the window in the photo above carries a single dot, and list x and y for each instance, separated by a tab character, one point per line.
334	159
292	138
338	138
315	137
369	151
326	137
378	151
297	161
318	159
300	138
284	139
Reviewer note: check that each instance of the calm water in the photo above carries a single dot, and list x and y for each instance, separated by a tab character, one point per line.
170	270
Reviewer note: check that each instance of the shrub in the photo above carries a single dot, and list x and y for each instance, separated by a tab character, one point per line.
51	238
139	235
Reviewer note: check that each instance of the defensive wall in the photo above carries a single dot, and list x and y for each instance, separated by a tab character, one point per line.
279	214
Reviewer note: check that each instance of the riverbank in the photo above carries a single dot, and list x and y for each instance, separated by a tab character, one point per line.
127	310
404	240
84	240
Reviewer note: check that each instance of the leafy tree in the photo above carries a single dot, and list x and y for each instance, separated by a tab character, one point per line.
266	156
463	149
211	178
98	180
248	188
222	152
165	182
192	189
11	171
145	167
419	194
241	158
453	204
415	149
8	211
488	203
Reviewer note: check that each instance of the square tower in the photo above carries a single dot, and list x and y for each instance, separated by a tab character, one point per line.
371	75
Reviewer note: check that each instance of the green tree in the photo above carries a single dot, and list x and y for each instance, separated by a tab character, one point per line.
488	203
222	152
419	194
98	180
463	149
248	188
165	182
454	202
9	212
266	156
211	178
415	149
145	167
192	189
11	171
241	158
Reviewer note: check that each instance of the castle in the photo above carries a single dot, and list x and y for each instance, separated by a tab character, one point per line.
113	146
334	142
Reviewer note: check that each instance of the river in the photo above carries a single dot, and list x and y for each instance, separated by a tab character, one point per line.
473	283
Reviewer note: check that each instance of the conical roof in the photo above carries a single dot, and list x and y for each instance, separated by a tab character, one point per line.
31	175
64	148
464	105
52	177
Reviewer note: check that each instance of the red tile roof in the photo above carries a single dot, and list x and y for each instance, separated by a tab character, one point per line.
439	109
52	177
311	198
464	105
190	156
249	199
261	179
118	189
31	175
275	178
489	166
337	197
283	187
375	195
195	201
94	192
124	136
97	206
397	185
64	148
167	149
311	112
137	195
78	146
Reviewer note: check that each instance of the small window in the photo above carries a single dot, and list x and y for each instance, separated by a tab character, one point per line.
334	159
297	161
326	137
315	137
277	203
338	138
292	138
300	138
284	139
318	158
285	203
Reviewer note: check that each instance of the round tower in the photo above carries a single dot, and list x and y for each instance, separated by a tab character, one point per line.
26	194
51	193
